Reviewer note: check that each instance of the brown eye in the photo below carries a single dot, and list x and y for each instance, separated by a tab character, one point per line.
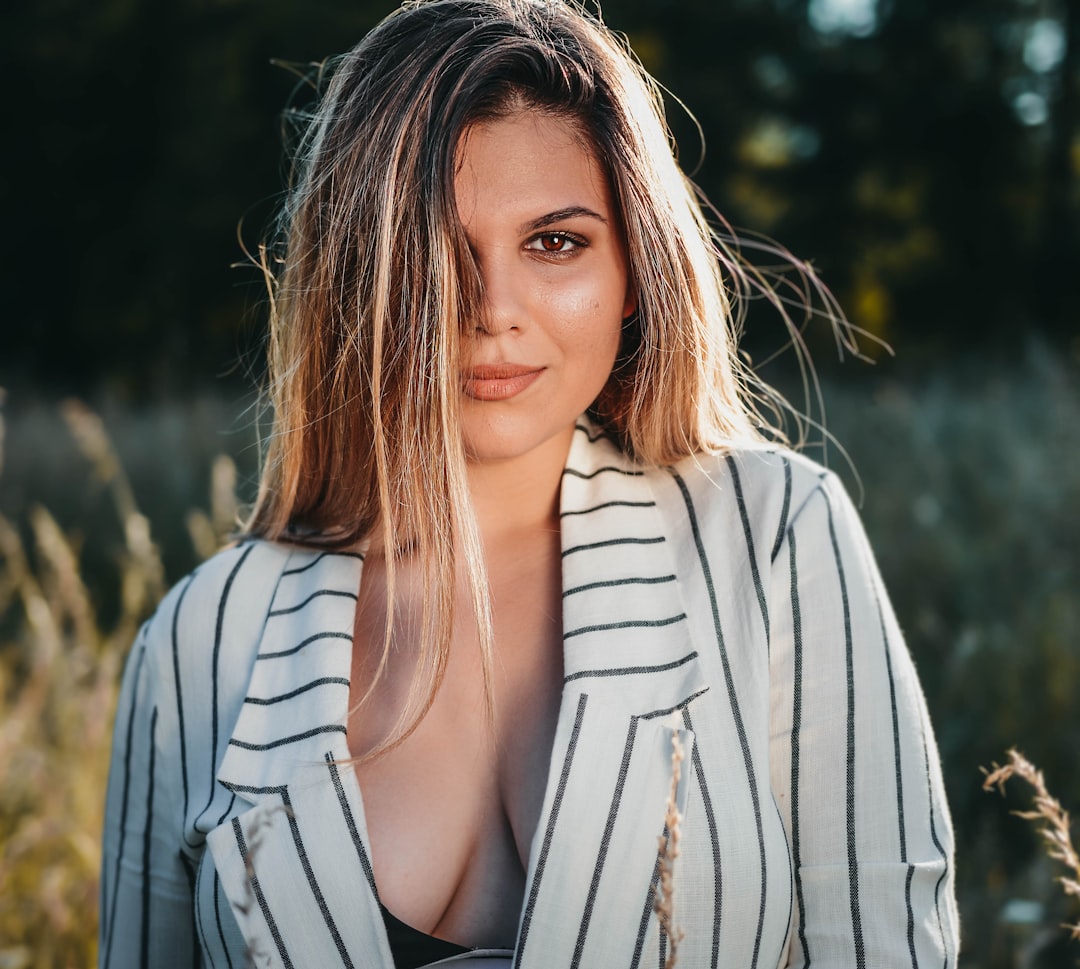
556	243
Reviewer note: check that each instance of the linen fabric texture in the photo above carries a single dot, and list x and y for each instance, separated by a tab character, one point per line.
730	602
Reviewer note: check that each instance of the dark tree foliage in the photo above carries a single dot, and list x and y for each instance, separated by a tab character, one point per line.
891	153
148	133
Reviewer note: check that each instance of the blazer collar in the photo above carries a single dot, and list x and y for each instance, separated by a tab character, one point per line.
623	608
297	702
630	665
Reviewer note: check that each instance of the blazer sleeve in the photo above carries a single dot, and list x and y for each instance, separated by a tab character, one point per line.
146	916
854	766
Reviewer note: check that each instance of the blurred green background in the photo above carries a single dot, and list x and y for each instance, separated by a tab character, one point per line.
924	154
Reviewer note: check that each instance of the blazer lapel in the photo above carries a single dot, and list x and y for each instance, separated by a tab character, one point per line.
295	865
630	667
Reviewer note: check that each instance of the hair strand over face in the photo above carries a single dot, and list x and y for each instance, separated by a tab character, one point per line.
377	281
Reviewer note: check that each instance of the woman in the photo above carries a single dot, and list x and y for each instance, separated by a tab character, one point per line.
522	570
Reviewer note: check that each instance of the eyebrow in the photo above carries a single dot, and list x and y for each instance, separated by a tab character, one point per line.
571	212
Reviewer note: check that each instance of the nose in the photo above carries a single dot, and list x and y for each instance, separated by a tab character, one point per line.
502	299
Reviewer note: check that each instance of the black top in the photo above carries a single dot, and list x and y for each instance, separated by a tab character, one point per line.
411	948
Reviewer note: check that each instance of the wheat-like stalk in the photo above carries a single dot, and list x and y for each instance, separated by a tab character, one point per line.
59	679
664	904
209	532
1054	826
59	691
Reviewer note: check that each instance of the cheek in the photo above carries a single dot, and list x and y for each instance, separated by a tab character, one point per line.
591	347
589	332
589	318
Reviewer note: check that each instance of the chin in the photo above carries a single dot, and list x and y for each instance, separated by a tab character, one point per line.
496	442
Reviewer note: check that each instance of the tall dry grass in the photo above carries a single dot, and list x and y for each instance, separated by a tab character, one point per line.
1051	819
59	676
972	481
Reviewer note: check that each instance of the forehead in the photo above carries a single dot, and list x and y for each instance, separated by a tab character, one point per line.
528	157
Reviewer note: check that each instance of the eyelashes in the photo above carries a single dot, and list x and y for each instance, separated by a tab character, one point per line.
556	243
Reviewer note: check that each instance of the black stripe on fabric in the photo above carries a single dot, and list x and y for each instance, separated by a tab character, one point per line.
175	633
896	742
350	822
605	843
612	583
316	890
318	558
322	681
733	699
549	831
608	504
226	812
219	629
148	835
791	887
910	917
849	660
662	961
307	642
130	734
313	732
199	933
902	828
796	727
591	438
714	843
607	468
250	789
667	711
646	914
303	568
751	554
613	541
253	879
785	510
217	917
625	624
315	595
188	865
940	848
632	670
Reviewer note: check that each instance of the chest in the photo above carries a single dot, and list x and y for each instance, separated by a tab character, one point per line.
452	809
637	670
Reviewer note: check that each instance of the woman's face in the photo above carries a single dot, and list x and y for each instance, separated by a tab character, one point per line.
537	210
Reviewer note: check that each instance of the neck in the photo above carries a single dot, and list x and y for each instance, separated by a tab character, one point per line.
521	493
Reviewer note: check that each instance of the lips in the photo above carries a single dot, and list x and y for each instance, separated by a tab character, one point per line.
498	381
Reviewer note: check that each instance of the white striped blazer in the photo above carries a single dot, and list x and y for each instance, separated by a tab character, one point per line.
731	601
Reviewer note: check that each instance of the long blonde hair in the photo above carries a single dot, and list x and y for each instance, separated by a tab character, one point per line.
373	280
